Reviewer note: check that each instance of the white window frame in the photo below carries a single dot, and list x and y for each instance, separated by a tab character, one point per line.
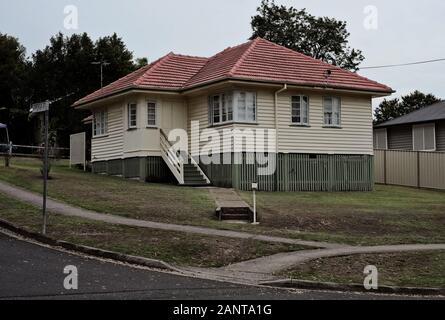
151	125
129	120
332	125
423	126
228	108
301	98
376	131
100	123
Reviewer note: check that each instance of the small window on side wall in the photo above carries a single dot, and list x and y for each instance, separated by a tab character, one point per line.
380	139
151	114
332	111
424	137
132	116
300	110
100	123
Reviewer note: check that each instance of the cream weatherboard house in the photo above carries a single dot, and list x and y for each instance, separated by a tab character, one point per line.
320	117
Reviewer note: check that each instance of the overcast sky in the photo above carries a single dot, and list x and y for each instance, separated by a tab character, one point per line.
407	30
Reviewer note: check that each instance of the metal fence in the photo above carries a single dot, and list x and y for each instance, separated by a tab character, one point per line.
410	168
34	151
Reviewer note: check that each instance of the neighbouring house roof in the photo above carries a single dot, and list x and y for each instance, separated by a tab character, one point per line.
256	60
431	113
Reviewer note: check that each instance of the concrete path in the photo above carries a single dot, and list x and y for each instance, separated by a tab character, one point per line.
68	210
263	269
251	272
227	198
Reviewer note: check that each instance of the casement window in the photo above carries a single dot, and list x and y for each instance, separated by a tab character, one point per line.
300	110
332	111
151	114
380	139
424	137
100	123
132	116
238	106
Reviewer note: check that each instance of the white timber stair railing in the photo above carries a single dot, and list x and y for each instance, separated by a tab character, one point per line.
186	172
174	161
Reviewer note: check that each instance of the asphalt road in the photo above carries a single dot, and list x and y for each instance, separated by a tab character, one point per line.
30	271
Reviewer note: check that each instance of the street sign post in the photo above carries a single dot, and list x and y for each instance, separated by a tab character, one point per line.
39	108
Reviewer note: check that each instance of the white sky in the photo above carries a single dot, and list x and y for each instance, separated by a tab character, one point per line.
407	30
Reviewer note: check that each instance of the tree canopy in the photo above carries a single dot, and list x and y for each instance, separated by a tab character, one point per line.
14	70
394	108
322	38
62	69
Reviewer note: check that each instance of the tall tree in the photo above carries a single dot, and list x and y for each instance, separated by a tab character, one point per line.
319	37
64	69
113	50
391	109
141	62
14	95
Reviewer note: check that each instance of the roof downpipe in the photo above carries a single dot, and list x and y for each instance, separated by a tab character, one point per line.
284	88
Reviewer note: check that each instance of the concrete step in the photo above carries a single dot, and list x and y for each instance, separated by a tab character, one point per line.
235	213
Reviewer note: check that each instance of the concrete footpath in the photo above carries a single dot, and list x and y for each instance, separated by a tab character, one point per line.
252	271
69	210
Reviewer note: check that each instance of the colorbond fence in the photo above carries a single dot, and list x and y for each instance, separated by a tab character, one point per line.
410	168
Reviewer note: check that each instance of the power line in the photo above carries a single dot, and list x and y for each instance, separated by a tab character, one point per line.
404	64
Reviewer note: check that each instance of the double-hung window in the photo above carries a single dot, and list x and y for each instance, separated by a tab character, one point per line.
332	111
238	106
300	110
424	137
151	114
245	106
100	123
132	116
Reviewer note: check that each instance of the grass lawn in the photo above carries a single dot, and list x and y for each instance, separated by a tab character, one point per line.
389	215
418	269
173	247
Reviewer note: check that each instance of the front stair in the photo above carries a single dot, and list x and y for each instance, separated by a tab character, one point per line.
235	214
187	172
230	206
193	176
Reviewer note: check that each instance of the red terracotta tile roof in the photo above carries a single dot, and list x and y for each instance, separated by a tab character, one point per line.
169	72
258	60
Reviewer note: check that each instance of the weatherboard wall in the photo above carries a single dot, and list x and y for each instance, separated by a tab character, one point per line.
355	136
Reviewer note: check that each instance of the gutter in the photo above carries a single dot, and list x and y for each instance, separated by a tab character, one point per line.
204	86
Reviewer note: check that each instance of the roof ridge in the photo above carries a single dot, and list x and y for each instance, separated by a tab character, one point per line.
153	66
214	57
252	45
188	56
324	62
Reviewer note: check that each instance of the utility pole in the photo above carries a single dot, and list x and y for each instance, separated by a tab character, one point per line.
102	65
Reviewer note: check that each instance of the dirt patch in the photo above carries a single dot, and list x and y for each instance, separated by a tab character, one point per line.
422	269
